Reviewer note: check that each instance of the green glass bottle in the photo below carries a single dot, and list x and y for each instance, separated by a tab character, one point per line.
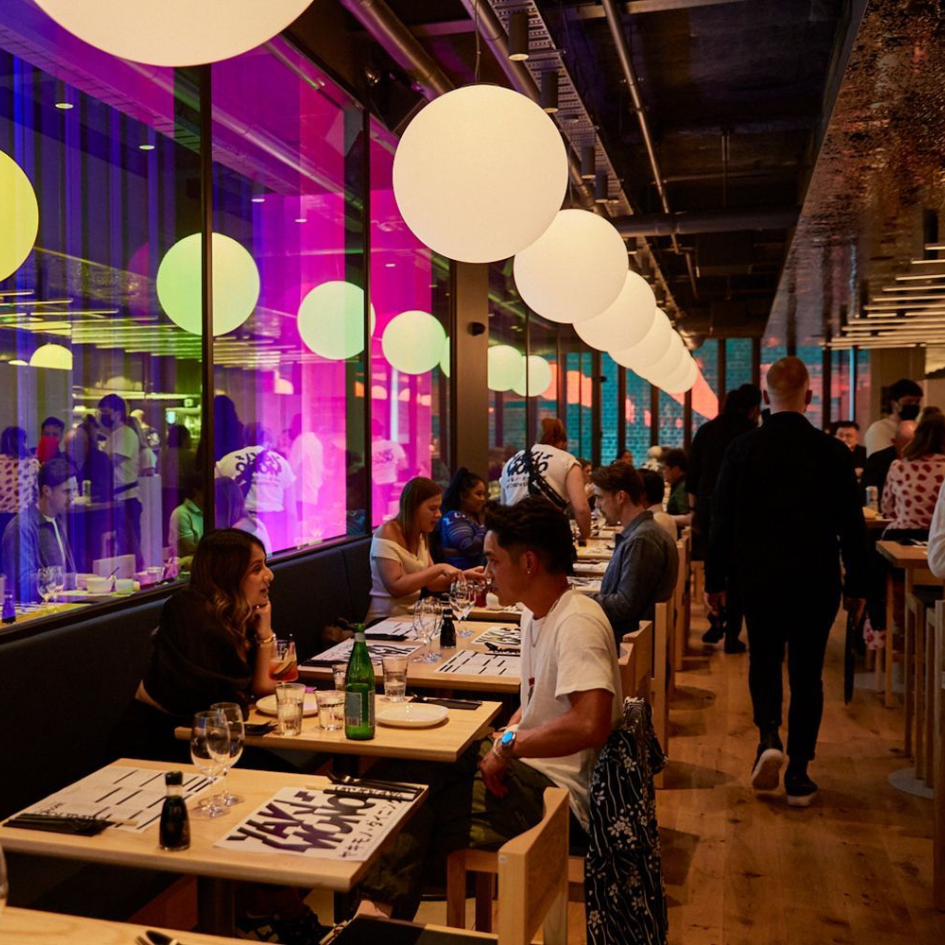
359	690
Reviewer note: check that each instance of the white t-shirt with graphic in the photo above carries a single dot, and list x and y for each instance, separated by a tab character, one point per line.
271	477
571	649
553	464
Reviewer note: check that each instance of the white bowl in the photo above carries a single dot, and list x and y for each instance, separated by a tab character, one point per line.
96	584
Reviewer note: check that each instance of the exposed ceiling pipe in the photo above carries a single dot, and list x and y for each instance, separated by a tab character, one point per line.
492	31
612	12
403	47
718	221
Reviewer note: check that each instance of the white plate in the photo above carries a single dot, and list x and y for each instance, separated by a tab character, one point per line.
267	705
412	715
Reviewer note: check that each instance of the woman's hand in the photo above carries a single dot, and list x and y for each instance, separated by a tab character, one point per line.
448	571
261	621
478	575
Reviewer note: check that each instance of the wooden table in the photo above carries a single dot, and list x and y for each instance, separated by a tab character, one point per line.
442	743
425	676
20	926
217	869
597	549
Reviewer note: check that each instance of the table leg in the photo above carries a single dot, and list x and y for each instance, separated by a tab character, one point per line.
920	741
883	655
215	905
907	662
931	662
889	656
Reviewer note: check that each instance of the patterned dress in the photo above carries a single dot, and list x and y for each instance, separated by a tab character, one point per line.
17	483
911	490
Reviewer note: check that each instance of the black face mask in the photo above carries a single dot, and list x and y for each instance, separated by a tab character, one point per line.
908	411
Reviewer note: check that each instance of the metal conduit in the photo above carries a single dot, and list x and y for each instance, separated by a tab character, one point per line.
612	14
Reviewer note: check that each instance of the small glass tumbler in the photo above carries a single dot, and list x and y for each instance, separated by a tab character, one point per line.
395	678
339	672
290	703
331	709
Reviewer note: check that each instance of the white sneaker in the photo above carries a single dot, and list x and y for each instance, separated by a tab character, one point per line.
766	774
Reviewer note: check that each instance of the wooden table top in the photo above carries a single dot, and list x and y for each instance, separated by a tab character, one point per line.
903	556
141	850
425	676
20	926
443	743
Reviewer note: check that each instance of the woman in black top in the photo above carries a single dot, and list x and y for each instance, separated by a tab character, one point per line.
212	644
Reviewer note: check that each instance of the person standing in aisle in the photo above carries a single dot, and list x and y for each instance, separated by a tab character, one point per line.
905	399
786	509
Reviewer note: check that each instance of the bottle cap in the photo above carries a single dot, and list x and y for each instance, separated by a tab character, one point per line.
174	778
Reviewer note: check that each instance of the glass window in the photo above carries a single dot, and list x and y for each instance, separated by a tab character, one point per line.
705	392
609	408
671	432
812	356
543	343
737	362
638	418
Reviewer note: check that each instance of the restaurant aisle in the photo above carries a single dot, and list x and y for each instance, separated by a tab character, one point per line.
854	867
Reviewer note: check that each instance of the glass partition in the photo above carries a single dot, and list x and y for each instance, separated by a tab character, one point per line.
737	362
638	418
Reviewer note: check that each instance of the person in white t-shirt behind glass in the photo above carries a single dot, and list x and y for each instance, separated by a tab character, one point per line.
905	399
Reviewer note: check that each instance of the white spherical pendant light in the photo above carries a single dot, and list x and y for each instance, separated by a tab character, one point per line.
174	32
506	368
20	216
56	357
652	347
331	320
574	270
480	173
668	364
683	379
626	321
235	284
445	356
539	377
413	342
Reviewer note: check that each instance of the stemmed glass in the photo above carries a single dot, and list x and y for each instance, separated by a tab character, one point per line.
426	622
232	714
59	581
46	583
210	752
462	597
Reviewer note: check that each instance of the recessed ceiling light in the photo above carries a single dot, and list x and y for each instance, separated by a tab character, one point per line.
300	220
258	199
145	147
65	106
389	265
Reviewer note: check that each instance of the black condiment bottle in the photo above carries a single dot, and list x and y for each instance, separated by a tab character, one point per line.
9	608
447	629
175	825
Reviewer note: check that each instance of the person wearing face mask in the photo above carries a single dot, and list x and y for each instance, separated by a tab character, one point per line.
461	530
905	399
401	566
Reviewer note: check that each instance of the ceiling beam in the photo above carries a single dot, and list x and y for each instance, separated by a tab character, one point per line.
592	11
715	221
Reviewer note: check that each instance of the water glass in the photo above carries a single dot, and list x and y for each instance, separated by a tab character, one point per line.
395	678
290	703
232	715
331	709
426	623
462	596
339	673
46	583
210	752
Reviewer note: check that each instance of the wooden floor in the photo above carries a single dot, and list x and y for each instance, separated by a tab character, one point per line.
744	868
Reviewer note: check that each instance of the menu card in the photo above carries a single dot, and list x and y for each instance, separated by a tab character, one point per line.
341	652
500	636
590	567
586	585
474	663
118	793
309	822
402	629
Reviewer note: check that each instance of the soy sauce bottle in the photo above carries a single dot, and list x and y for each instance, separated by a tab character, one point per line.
175	825
447	629
9	608
359	690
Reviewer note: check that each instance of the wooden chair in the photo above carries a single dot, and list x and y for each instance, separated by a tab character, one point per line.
662	640
641	671
938	700
532	869
681	606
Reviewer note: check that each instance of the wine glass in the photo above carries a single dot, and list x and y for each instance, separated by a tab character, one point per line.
46	583
4	882
426	620
58	579
232	714
462	597
210	752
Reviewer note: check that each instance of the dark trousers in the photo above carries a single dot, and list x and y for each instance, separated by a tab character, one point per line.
801	625
734	612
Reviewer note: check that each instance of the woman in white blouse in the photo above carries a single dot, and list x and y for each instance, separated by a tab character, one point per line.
401	565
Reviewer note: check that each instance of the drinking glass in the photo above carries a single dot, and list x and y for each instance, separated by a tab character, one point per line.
339	673
290	706
283	664
331	709
4	882
395	678
58	579
232	714
426	622
46	583
462	597
210	752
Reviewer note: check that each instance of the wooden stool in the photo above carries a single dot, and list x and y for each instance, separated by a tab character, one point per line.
938	703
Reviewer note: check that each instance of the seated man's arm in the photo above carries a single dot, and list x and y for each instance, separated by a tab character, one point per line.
639	574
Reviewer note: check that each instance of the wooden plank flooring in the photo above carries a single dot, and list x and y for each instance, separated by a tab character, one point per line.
744	869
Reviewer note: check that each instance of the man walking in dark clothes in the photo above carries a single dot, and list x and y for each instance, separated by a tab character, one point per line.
786	509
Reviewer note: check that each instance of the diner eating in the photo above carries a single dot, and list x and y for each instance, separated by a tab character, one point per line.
405	409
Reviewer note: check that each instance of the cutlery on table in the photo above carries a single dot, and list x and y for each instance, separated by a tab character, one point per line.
346	780
449	702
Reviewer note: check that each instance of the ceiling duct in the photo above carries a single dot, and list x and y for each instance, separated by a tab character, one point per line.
713	221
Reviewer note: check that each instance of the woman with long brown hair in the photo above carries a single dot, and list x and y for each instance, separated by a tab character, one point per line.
401	566
914	480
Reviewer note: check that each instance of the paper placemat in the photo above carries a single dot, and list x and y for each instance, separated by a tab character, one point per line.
590	567
341	652
474	663
500	636
309	822
118	793
402	629
586	585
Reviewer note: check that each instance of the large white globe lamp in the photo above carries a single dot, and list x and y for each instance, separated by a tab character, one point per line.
668	364
652	347
331	320
574	270
683	379
480	173
235	284
174	32
539	377
57	357
20	216
506	368
626	321
413	342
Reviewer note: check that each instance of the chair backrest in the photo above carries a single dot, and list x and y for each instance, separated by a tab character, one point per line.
641	667
533	876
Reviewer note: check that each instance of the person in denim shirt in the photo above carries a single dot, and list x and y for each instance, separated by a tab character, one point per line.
461	530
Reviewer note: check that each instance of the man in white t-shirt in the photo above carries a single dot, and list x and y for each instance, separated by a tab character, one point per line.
570	702
905	399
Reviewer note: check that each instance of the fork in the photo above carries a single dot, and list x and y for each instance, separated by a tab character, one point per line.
346	780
